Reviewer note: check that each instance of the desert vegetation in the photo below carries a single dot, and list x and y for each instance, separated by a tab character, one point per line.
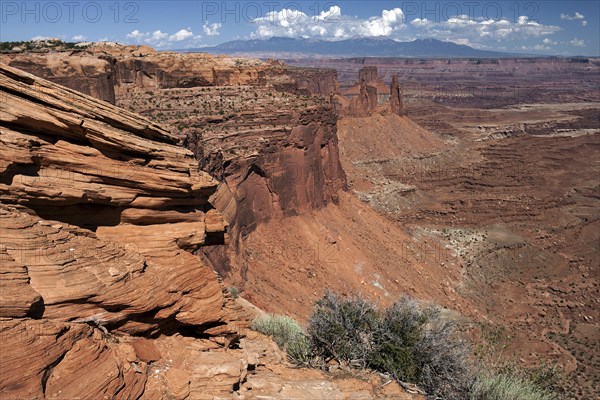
410	341
287	333
501	386
48	44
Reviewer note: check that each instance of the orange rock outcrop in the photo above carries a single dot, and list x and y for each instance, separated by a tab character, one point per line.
100	216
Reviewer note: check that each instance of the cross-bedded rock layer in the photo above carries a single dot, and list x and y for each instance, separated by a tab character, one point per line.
100	214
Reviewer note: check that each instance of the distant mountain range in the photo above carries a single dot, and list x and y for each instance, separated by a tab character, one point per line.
362	47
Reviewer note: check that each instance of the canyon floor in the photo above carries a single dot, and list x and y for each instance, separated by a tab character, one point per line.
514	190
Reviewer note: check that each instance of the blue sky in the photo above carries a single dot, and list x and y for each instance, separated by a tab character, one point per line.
541	27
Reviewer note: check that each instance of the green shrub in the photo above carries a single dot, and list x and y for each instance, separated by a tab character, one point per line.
546	376
288	335
298	350
396	338
342	329
409	340
234	292
505	386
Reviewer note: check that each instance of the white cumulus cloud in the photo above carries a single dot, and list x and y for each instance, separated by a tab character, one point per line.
577	16
157	36
577	43
481	30
332	14
79	38
182	34
571	18
136	35
160	39
212	29
328	24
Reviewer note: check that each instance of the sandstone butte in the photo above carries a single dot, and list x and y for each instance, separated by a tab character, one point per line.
105	292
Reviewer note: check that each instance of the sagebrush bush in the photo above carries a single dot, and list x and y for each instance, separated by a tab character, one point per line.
505	386
443	356
342	329
287	333
409	340
396	337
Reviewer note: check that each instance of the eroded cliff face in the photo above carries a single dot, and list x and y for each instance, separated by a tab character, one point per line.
82	71
100	216
177	70
277	160
314	81
267	130
104	71
368	74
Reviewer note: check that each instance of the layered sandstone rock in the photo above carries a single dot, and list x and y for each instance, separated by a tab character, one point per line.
278	164
43	359
100	215
315	81
272	142
144	68
77	70
103	70
102	169
176	70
